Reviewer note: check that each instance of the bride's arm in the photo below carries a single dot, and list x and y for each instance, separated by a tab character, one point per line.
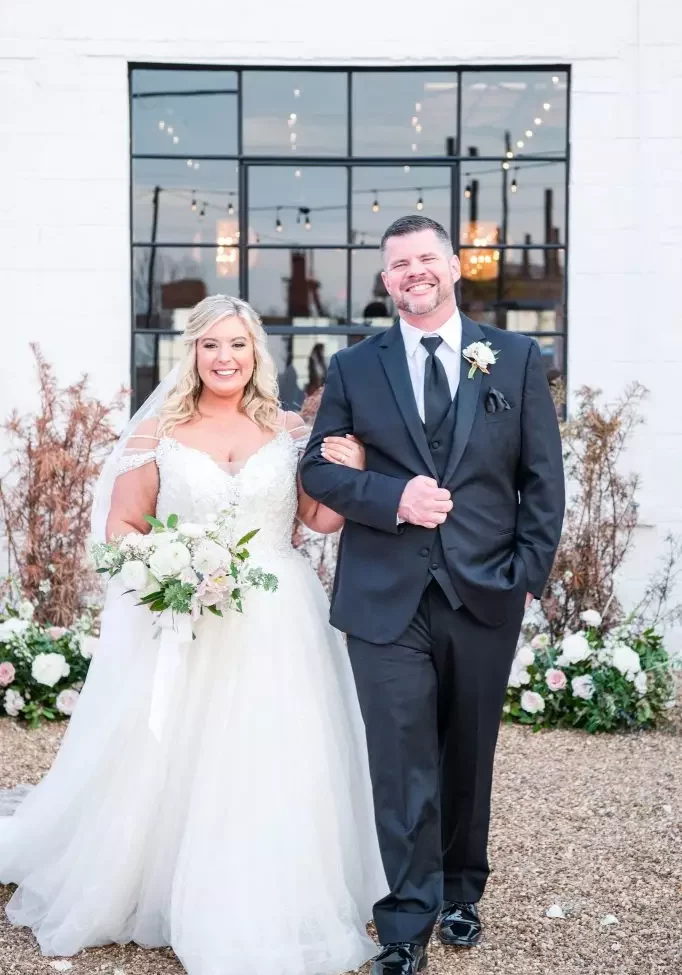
136	490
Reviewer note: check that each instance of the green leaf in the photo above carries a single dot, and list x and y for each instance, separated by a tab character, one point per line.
158	606
172	522
214	610
472	372
151	597
247	538
101	570
154	522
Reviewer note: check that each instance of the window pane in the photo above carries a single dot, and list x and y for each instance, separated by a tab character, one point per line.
302	362
404	113
370	302
397	191
304	287
553	349
184	112
169	281
295	113
512	283
501	104
535	198
194	204
155	356
302	206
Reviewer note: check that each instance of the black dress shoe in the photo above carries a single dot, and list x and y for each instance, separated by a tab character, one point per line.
403	958
459	925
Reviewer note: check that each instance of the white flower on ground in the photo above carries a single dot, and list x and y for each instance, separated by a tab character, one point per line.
591	617
640	682
532	702
134	575
67	701
12	627
26	609
169	560
583	687
14	703
49	668
540	642
555	911
190	530
555	679
574	649
525	656
7	673
209	557
518	676
626	661
87	646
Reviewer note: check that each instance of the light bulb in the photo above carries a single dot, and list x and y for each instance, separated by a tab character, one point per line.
467	191
538	121
546	106
292	136
230	209
505	165
278	226
417	128
555	80
520	144
194	204
162	125
176	139
298	174
375	206
510	154
420	204
196	165
170	130
308	224
418	107
514	186
406	169
529	133
415	120
189	163
293	117
297	92
414	147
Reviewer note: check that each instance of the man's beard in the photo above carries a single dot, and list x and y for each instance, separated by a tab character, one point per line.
418	306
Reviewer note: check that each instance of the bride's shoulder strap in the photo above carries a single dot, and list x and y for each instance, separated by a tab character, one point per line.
140	447
297	428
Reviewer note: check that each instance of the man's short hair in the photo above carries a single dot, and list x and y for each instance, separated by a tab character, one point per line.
413	224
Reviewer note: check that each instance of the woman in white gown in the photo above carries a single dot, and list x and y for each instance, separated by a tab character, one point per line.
243	835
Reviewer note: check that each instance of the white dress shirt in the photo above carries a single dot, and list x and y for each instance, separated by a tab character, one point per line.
449	352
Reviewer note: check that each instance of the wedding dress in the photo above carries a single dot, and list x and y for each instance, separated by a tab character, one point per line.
244	838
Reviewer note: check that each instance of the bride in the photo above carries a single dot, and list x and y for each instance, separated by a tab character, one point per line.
243	834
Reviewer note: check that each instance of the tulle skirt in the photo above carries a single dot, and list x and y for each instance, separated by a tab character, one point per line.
244	838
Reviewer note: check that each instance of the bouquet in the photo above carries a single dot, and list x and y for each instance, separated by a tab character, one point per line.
181	568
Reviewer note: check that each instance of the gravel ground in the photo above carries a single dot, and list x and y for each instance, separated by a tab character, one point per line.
593	824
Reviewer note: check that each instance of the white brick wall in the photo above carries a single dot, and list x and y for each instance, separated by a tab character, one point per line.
64	254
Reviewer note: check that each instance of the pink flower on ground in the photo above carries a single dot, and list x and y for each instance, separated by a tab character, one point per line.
555	679
67	701
55	632
7	673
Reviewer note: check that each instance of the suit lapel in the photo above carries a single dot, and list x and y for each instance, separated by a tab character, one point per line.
467	399
394	360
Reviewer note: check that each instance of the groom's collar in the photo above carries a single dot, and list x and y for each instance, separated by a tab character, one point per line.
450	332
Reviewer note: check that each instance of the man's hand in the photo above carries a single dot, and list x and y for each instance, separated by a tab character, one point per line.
424	503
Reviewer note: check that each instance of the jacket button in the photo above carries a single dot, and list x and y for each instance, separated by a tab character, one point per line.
435	445
434	566
424	552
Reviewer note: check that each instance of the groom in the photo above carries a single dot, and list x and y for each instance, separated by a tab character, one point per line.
450	531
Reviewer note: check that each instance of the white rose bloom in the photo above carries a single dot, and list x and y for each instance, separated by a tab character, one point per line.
525	655
49	668
164	538
134	575
626	661
518	675
190	530
14	703
641	683
169	560
209	557
583	687
188	575
480	352
26	609
574	649
12	627
67	700
130	542
87	646
532	702
591	617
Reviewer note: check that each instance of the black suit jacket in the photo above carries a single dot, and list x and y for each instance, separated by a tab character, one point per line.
505	473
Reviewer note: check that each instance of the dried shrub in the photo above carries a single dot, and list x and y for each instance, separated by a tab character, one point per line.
46	493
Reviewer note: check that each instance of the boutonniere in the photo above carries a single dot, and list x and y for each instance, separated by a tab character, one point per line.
480	356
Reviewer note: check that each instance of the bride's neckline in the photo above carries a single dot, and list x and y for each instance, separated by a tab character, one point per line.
223	465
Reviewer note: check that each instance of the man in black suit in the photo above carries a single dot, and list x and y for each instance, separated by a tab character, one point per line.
450	531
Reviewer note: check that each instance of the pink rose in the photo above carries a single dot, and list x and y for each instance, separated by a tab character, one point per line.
555	679
55	632
7	673
67	701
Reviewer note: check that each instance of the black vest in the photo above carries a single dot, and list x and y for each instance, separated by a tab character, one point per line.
441	445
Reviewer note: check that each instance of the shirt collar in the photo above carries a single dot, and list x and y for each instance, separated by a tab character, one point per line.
450	332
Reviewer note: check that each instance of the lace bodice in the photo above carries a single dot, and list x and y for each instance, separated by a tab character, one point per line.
263	493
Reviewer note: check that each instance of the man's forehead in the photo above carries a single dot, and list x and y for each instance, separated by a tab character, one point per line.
420	243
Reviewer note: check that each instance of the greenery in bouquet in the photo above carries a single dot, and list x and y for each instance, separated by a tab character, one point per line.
185	568
42	667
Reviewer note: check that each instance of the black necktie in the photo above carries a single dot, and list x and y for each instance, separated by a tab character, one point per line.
437	397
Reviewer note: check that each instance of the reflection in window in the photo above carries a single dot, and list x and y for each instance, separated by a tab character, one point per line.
302	362
516	286
298	286
381	195
298	205
184	113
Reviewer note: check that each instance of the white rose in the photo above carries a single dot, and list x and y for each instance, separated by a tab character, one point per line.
87	646
641	683
591	617
169	560
209	557
14	703
540	642
525	655
49	668
134	575
532	702
583	687
26	609
481	353
190	530
166	537
67	700
518	675
626	661
574	649
189	576
12	627
131	542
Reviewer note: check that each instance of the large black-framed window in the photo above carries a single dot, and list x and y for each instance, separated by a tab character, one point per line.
275	184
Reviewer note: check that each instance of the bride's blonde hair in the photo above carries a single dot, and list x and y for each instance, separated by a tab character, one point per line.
260	399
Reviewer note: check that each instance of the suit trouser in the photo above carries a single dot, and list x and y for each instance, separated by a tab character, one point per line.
432	703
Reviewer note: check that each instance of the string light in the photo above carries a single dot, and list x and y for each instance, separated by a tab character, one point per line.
546	106
420	201
520	144
278	223
170	130
202	212
298	174
514	185
555	80
194	203
230	209
467	191
505	165
176	139
375	205
307	224
417	128
406	169
538	121
162	125
529	133
418	107
292	136
414	147
510	154
189	163
415	120
196	165
297	92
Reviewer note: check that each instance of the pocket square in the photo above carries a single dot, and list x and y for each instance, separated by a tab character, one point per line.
495	402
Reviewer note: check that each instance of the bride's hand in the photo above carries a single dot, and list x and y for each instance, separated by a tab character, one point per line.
347	451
